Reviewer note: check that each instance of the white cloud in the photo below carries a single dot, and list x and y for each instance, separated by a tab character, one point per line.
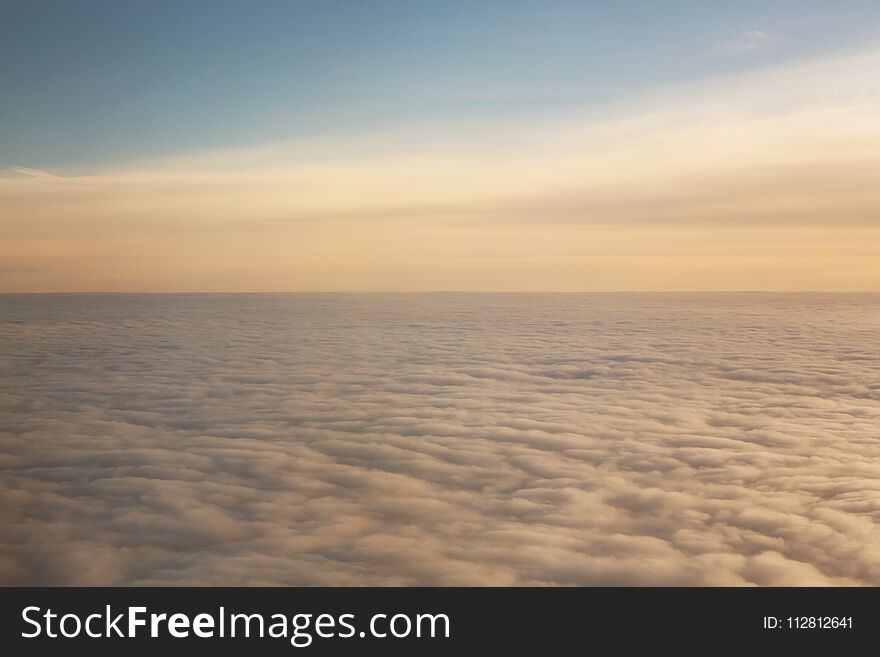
746	42
440	439
32	173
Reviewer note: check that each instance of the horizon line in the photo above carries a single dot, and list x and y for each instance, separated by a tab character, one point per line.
416	292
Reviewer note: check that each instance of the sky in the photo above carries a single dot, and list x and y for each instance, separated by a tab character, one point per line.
407	146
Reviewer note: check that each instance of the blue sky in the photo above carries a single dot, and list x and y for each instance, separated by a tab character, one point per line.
101	81
484	146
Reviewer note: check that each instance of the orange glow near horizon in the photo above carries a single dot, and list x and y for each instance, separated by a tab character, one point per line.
761	183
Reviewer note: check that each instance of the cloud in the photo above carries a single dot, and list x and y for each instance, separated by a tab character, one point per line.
440	439
33	173
746	42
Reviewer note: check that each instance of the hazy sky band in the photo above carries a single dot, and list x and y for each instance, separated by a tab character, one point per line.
420	146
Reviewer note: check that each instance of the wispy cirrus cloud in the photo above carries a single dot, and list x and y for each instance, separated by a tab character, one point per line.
747	41
31	173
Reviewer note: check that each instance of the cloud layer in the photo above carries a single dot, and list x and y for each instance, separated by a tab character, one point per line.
440	439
